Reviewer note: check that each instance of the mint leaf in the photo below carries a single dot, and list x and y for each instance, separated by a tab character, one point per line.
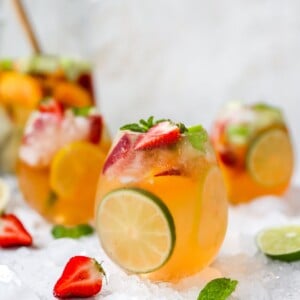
75	232
145	125
218	289
238	133
264	106
82	111
133	127
197	136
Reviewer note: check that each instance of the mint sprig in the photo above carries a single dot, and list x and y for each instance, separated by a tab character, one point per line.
74	232
218	289
144	125
141	126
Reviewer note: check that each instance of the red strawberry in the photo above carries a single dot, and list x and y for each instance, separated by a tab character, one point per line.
118	152
82	277
12	232
228	157
85	80
96	126
162	134
52	106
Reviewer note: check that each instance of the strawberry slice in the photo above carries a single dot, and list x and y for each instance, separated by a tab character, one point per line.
96	126
228	158
118	152
52	106
12	232
162	134
169	172
81	277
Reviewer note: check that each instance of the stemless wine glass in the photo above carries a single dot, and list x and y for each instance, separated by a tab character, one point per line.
161	208
254	149
60	159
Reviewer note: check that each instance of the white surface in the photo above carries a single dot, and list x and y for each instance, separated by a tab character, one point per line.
180	59
32	272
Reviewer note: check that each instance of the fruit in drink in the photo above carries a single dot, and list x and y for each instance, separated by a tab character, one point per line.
60	164
24	83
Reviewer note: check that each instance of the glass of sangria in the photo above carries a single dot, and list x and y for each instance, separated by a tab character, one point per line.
161	207
254	149
60	159
25	82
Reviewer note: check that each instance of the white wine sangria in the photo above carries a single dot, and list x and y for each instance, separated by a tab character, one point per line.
161	207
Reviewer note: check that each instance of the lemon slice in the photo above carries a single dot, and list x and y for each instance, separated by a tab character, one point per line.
73	164
270	158
282	243
4	195
136	229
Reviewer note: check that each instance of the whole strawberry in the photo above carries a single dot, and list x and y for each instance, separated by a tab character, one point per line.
82	277
12	232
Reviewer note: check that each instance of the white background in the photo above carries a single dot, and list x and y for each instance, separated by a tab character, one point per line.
180	59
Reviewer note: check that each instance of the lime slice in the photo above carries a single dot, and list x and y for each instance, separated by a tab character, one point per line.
136	229
270	158
4	195
282	243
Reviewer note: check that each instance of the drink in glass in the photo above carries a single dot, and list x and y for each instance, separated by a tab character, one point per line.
254	149
60	159
25	82
161	208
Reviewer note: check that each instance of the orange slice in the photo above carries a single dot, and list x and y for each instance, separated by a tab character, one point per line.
74	164
71	94
19	89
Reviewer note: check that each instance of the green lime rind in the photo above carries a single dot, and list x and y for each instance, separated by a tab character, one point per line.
280	243
74	232
218	289
39	64
164	211
47	64
6	64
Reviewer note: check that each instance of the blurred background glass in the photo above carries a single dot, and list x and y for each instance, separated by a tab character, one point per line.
173	58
